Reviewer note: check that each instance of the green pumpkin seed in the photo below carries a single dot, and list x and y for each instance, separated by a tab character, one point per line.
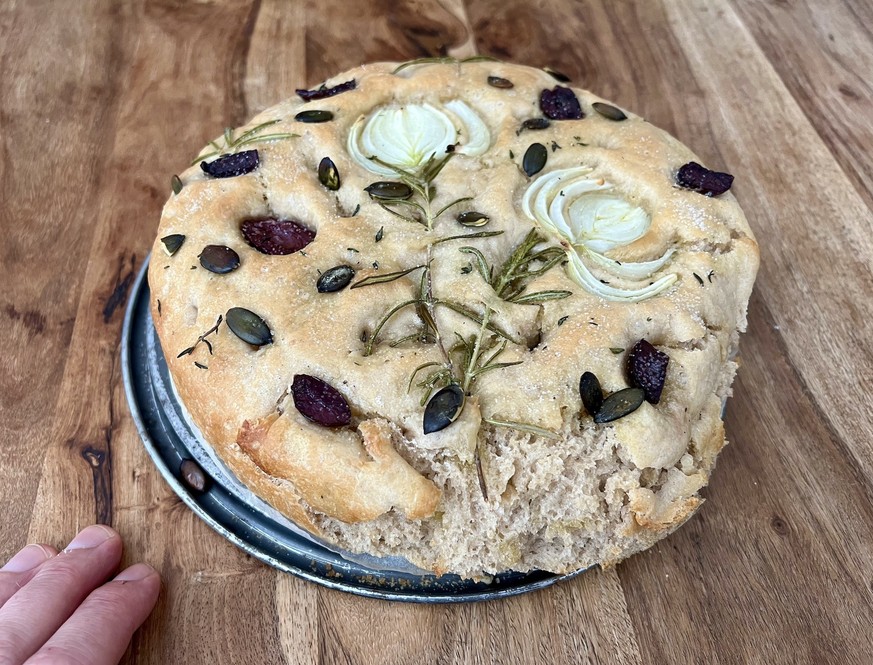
219	259
387	190
335	279
328	175
172	243
536	123
500	82
620	404
534	159
176	184
555	74
591	392
314	116
443	408
248	326
609	111
472	218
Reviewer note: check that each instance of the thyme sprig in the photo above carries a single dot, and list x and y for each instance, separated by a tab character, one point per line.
203	339
248	137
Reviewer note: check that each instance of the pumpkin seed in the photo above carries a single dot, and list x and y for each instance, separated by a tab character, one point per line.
314	116
193	476
319	401
609	111
328	174
536	123
500	82
555	74
176	184
387	190
172	243
534	159
219	259
335	279
248	326
443	408
229	166
620	404
591	392
472	218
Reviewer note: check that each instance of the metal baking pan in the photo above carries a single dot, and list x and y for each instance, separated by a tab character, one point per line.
249	523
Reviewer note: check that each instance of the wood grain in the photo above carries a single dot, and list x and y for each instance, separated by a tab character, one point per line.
103	101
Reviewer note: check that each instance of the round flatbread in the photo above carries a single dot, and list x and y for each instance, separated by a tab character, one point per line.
457	312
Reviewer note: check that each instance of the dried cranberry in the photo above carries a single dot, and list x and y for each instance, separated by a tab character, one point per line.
323	92
274	236
647	369
560	103
700	179
229	166
320	402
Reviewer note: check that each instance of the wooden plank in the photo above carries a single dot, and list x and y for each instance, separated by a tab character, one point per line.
338	39
823	52
93	452
776	567
813	227
58	100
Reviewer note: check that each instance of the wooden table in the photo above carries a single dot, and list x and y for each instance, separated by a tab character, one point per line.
101	101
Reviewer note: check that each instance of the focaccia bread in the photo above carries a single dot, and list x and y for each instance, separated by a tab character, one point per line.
457	312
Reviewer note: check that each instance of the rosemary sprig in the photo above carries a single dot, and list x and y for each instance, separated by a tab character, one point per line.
371	340
421	184
524	264
252	135
383	278
465	236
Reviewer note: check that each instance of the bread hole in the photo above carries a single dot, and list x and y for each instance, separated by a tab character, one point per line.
191	312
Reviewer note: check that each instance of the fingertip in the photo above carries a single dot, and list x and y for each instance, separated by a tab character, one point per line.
28	558
135	573
91	537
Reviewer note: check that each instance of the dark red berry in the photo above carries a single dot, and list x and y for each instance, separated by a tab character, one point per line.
274	236
647	369
560	103
324	92
320	402
700	179
229	166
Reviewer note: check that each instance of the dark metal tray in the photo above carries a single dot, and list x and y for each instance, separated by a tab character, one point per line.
249	527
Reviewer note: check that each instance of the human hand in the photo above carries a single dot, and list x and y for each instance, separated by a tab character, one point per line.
53	608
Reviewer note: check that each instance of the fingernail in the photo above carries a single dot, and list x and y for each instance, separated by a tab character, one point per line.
27	559
90	538
138	571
